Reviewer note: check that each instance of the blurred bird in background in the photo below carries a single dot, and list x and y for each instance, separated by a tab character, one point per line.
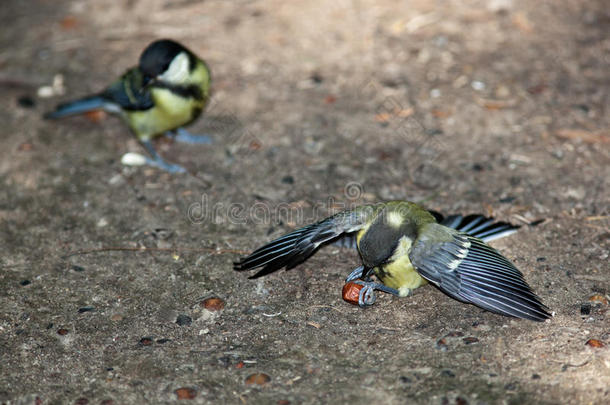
166	91
406	246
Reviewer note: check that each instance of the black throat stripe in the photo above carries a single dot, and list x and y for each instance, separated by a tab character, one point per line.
192	91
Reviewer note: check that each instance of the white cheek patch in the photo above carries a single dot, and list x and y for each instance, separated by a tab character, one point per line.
178	70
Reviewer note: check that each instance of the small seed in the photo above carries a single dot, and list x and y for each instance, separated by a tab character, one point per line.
258	379
213	304
185	393
351	292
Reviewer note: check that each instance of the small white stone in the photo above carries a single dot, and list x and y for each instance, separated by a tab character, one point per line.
45	92
133	159
116	180
478	85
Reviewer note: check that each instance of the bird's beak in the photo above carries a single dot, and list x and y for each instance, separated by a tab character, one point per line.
148	81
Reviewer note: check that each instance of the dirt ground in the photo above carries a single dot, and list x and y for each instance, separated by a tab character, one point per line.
498	107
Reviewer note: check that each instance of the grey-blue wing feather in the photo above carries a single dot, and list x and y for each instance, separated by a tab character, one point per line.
295	247
467	269
129	92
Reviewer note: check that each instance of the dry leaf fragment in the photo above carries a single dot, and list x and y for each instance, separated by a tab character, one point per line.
598	344
584	136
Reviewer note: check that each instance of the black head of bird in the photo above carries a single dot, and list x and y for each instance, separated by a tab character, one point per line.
166	60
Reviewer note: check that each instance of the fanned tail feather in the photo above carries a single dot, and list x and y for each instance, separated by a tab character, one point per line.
479	226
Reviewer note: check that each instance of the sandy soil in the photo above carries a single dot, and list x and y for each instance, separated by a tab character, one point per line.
499	107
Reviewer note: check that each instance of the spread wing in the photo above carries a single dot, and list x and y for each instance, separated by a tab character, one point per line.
129	92
295	247
467	269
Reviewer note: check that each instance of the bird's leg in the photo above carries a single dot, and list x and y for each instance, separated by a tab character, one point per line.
367	293
157	161
357	273
184	136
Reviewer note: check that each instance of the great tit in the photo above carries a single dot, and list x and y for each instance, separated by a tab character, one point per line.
166	91
406	246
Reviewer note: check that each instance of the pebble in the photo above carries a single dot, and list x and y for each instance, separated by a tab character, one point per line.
26	102
502	91
133	159
117	180
477	85
508	199
62	331
510	387
447	373
316	78
288	179
184	320
146	341
460	401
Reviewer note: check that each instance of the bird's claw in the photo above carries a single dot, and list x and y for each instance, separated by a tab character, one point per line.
367	297
163	165
157	161
355	274
184	136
